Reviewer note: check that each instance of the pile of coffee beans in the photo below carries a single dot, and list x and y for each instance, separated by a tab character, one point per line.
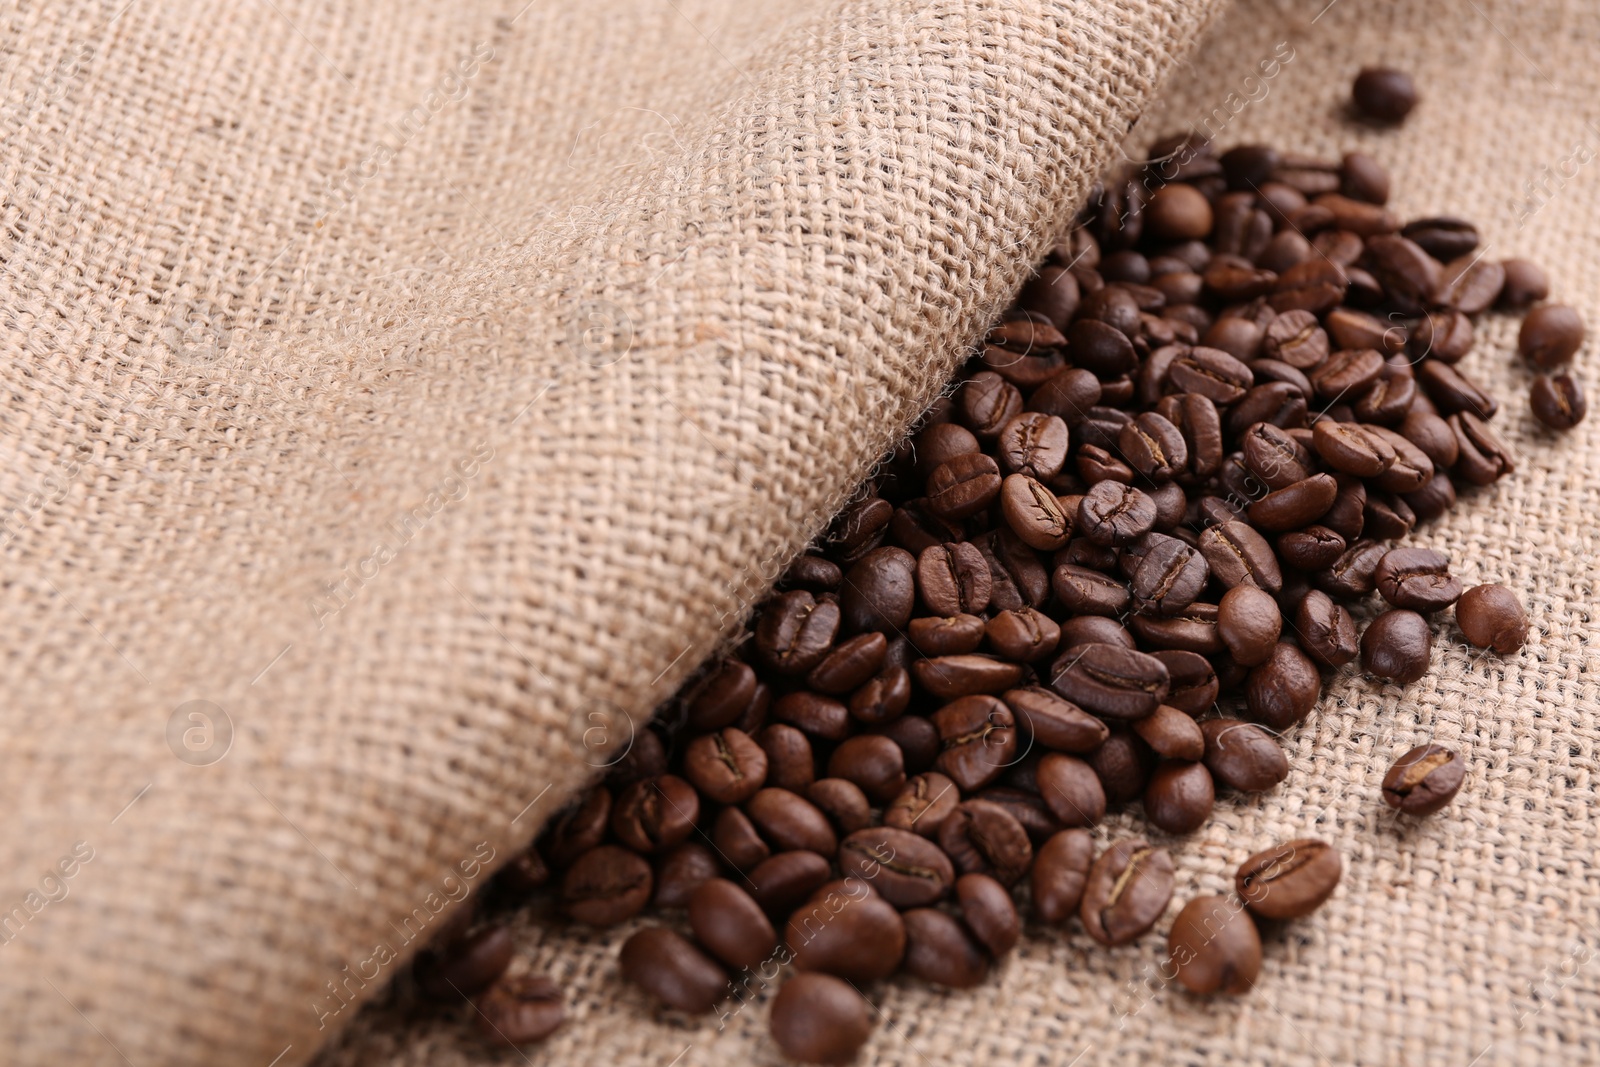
1111	568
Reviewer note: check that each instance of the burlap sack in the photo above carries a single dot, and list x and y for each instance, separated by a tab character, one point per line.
397	401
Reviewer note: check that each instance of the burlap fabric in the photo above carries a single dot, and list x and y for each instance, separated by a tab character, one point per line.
413	395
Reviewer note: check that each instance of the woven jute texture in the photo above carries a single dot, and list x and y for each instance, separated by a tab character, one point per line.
401	399
1467	938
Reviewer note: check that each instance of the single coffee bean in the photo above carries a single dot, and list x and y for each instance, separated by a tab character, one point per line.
1211	373
1526	284
918	739
1352	575
1086	591
795	631
790	822
1123	766
1100	347
985	838
816	1018
1396	646
790	762
849	664
1550	335
1023	636
1442	237
1326	630
1068	394
1491	616
1346	516
520	1010
681	871
724	694
985	403
1432	435
940	950
1019	579
879	591
1284	688
1248	621
1060	872
940	443
1295	506
1154	447
1289	881
1034	514
606	885
842	801
1193	630
782	881
1443	335
672	969
1418	579
813	714
1424	780
1411	468
1310	549
906	869
729	923
579	828
655	814
1115	514
1484	458
1169	578
1451	391
1275	457
923	804
1053	722
950	635
726	766
1179	796
1127	891
1383	94
1178	212
846	929
1409	276
737	840
1172	733
963	486
1111	681
872	762
1470	284
1034	444
466	967
916	528
1243	756
1238	555
1315	284
1296	338
1028	808
952	677
1071	790
989	912
1214	947
1558	401
978	740
1352	448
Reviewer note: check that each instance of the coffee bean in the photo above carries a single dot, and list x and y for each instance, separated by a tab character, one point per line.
816	1018
1453	391
1114	514
1019	579
1086	591
940	950
1352	448
1275	457
606	885
1326	630
672	969
1310	549
1424	780
1443	335
1123	766
813	714
879	591
918	739
1238	555
1053	722
846	929
850	664
1396	646
730	924
983	837
1289	881
655	814
1194	630
578	829
985	403
963	486
1068	394
1071	789
1154	447
790	763
1443	237
723	694
1483	458
842	802
737	840
680	872
1315	284
872	762
1550	335
1214	947
1034	514
1432	435
1296	338
1411	468
1491	616
782	881
1526	284
520	1010
923	804
1178	212
1111	681
1248	621
726	766
790	821
1023	636
795	631
978	738
1418	579
1284	688
1179	796
940	443
952	635
1363	178
1408	275
1172	733
1127	890
952	677
916	528
906	869
1297	505
1384	94
1352	575
1346	516
1558	401
466	967
1211	373
1242	756
1168	578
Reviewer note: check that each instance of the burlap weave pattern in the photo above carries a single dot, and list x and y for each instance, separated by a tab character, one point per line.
387	390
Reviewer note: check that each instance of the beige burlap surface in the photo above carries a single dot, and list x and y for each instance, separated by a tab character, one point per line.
1465	939
399	397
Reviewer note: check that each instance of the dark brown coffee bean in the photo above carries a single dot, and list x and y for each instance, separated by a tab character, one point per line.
727	766
1453	391
1178	212
879	591
1127	891
1352	448
1296	338
730	924
1351	576
872	762
1526	284
1088	592
1112	305
1396	646
989	912
1111	681
737	840
1326	630
1383	94
795	631
1408	274
985	403
681	870
790	763
918	739
1418	579
850	664
1249	622
1196	418
1023	636
579	828
1314	285
940	443
1558	401
1311	549
952	677
1237	336
816	1018
1071	790
906	869
1297	505
1211	373
1123	766
1424	780
1060	872
655	814
1483	458
1114	514
1275	457
1289	881
842	801
859	528
1213	947
1411	468
916	528
1179	796
1193	630
941	951
520	1010
672	969
983	837
1193	684
1169	578
1243	756
1432	435
978	738
725	692
1034	443
1349	508
1172	734
1154	447
790	822
1284	689
1239	555
814	714
1067	394
782	881
923	804
1550	336
1034	514
1053	722
1018	578
467	966
1491	616
1443	335
963	486
952	635
606	885
1363	178
1101	347
1470	284
846	929
1442	237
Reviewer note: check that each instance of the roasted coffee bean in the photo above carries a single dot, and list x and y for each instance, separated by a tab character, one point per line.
1295	506
467	966
916	528
1311	549
1432	435
846	929
1178	212
1424	780
842	801
872	762
1127	891
1239	337
985	403
1396	646
1153	446
1024	805
655	814
1349	214
1060	872
1326	630
1284	688
1239	555
1211	373
951	635
672	969
795	631
1213	947
1172	733
1315	284
983	837
1123	765
989	912
1192	630
1296	338
922	804
1442	237
1408	275
1053	293
1289	881
859	528
578	829
1387	516
1034	514
1169	578
1035	444
1363	178
1114	514
940	443
1550	336
1248	621
1346	516
727	766
724	693
816	1018
1352	575
1443	335
1418	579
730	924
1053	722
1111	681
1101	348
1483	458
1085	591
1470	284
940	950
790	762
1352	448
1019	579
1411	468
1193	684
1067	394
918	739
1558	401
681	870
781	882
963	486
790	821
1179	796
879	591
978	740
1275	457
1526	284
520	1010
737	840
1243	756
1452	391
1383	94
1196	418
952	677
1071	790
606	885
906	869
813	714
1491	616
850	664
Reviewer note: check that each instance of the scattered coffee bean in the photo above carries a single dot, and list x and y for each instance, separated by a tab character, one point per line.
1289	881
1424	780
1558	401
520	1010
1179	797
1397	645
816	1018
671	969
730	924
1491	616
467	966
1384	94
1214	947
940	950
847	929
606	885
1127	890
1550	335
